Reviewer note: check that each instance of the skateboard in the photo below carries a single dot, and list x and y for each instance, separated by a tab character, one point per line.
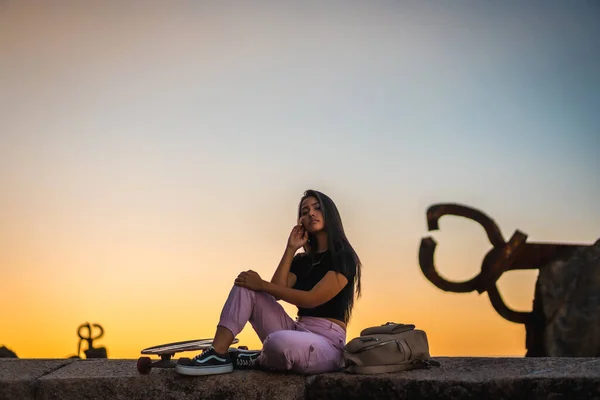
167	351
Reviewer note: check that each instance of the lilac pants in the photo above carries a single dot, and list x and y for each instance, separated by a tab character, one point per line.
310	346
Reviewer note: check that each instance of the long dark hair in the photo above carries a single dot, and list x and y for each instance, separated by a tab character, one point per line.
345	259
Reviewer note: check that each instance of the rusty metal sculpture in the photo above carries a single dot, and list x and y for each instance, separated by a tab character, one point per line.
89	337
514	254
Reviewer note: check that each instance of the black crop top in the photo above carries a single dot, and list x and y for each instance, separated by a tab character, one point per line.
308	276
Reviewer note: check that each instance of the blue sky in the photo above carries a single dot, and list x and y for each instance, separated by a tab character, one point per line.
137	141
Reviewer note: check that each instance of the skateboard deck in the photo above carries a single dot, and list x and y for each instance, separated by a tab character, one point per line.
168	350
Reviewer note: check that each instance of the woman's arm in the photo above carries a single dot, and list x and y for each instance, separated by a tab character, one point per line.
327	288
297	239
282	274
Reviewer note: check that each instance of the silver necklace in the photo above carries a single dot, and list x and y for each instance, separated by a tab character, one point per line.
320	259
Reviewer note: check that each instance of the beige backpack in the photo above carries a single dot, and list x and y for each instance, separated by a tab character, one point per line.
388	348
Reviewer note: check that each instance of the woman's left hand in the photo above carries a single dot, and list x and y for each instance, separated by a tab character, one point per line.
250	280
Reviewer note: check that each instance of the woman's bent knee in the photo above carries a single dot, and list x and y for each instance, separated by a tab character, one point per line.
260	296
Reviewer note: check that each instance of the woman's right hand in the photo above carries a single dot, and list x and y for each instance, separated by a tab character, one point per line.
298	237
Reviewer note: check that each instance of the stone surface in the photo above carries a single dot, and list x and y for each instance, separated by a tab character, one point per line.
470	378
456	379
119	379
569	294
18	377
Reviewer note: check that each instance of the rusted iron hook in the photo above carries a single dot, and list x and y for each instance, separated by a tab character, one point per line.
504	256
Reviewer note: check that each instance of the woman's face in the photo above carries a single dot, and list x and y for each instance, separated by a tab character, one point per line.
311	216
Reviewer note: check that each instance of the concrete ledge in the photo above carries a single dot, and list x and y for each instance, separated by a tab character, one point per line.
19	378
471	378
457	378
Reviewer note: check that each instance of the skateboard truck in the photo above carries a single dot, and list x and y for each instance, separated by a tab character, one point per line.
514	254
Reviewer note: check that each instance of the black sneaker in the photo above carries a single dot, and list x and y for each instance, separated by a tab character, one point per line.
208	363
244	359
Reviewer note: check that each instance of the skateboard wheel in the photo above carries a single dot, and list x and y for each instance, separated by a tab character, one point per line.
144	365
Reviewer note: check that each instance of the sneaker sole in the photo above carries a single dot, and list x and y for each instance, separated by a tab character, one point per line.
198	371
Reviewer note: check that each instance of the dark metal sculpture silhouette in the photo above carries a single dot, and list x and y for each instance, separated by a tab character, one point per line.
514	254
5	352
91	352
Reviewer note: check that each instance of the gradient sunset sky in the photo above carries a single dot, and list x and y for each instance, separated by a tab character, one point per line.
150	152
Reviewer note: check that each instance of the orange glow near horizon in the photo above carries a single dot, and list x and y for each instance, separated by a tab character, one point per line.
163	304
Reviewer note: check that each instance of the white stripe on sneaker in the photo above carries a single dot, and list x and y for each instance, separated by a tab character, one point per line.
210	358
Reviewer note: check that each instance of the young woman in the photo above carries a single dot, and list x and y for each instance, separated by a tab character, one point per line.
321	282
